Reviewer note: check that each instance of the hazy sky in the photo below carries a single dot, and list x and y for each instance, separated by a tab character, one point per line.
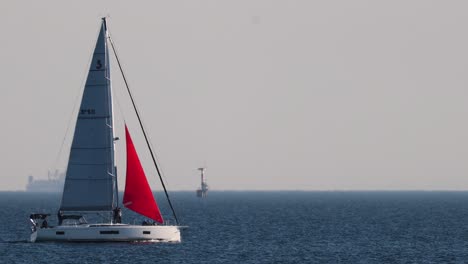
307	95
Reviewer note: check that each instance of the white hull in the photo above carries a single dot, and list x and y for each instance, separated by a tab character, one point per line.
107	233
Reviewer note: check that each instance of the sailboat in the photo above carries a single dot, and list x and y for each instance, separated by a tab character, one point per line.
91	178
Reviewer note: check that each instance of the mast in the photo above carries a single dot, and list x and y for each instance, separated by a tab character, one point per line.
111	104
143	129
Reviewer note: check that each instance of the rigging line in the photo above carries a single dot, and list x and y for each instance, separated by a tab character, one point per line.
66	132
121	112
119	106
144	133
160	165
111	107
77	97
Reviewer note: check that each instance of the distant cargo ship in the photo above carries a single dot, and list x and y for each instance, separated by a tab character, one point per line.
53	183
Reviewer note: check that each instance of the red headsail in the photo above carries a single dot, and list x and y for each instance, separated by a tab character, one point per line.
138	196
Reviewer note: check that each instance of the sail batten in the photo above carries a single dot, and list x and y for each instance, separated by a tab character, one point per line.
88	185
137	195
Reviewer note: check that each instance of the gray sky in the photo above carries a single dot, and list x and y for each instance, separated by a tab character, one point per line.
293	95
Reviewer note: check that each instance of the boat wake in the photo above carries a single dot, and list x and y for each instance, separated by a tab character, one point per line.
13	241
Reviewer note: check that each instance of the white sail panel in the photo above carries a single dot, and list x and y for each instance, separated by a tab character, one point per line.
90	181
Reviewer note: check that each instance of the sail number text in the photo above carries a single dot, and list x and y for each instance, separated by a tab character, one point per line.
87	112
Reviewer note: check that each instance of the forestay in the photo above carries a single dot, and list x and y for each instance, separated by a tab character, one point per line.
90	178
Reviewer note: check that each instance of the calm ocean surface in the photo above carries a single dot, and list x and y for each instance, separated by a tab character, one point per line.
267	227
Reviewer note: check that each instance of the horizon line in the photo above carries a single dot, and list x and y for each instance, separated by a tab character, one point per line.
288	190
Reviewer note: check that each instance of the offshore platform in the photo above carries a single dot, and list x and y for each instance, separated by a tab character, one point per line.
203	190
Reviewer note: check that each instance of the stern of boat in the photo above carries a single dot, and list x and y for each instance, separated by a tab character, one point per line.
33	237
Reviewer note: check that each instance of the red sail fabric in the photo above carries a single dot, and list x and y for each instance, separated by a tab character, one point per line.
138	196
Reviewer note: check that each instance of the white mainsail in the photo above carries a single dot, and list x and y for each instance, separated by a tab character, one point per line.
90	180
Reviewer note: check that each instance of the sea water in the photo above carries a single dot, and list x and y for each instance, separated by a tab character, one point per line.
266	227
